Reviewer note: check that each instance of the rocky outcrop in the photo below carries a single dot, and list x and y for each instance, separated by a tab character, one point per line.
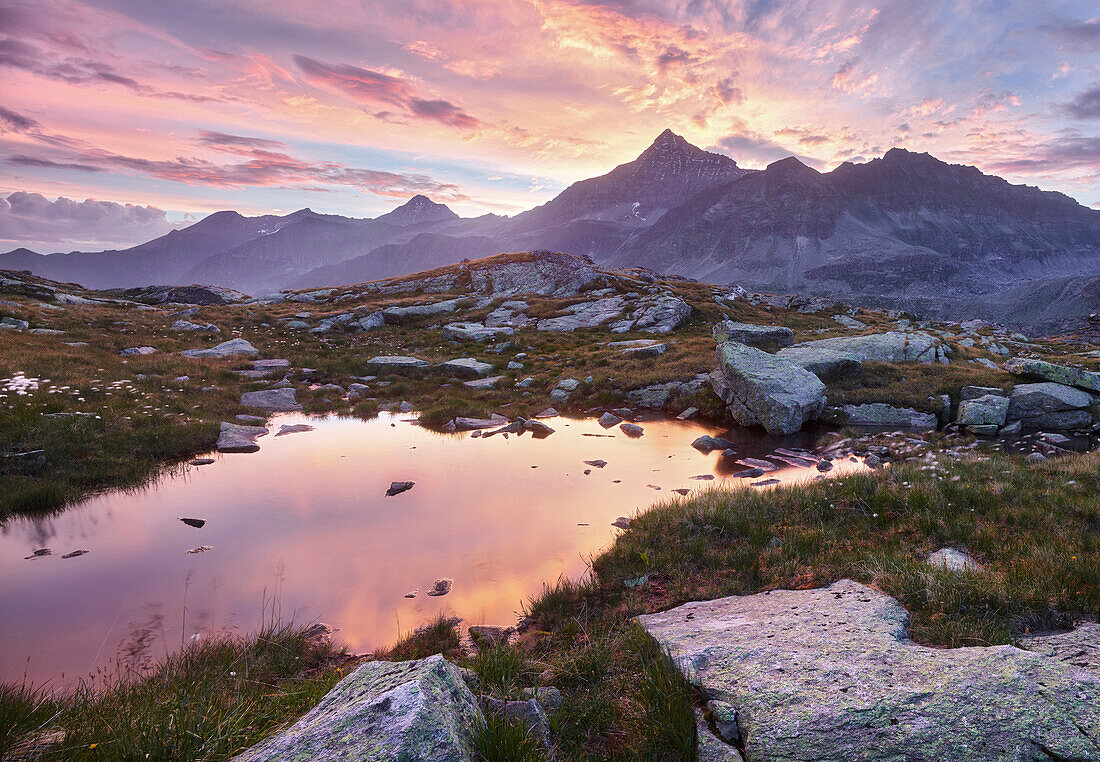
474	332
405	315
765	390
231	348
588	314
412	710
879	414
893	346
753	335
822	361
396	365
830	674
987	410
276	400
1049	406
1059	374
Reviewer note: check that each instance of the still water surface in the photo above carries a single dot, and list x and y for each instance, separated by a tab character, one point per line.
305	523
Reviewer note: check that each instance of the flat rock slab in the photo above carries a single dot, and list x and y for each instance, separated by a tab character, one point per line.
396	364
830	674
892	346
279	400
411	710
879	414
466	367
231	348
474	332
236	438
822	361
753	335
1059	374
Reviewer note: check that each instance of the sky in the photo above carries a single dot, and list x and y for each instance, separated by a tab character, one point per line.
120	119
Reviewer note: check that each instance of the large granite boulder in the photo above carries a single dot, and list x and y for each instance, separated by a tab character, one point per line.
765	390
231	348
1059	374
821	361
753	335
830	674
279	400
880	414
893	346
1049	406
399	711
987	410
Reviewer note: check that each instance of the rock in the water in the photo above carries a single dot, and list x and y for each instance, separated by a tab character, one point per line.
631	429
892	346
953	560
196	523
293	428
441	586
466	367
396	488
607	420
1059	374
988	409
395	365
753	335
231	348
831	674
706	443
765	390
821	361
881	414
235	438
474	332
385	711
1048	406
280	400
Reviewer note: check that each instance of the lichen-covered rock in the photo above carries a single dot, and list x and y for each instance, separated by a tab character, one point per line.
753	335
236	438
281	400
230	348
892	346
395	364
543	273
655	314
404	315
973	392
880	414
1049	406
474	332
990	409
830	674
399	711
821	361
1078	648
765	390
466	367
584	315
1059	374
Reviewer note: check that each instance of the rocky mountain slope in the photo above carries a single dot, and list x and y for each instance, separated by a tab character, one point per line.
906	230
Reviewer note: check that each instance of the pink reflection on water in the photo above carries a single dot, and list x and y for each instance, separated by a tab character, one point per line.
304	525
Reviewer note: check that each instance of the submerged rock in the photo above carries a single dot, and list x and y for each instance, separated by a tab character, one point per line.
386	711
831	674
765	390
441	586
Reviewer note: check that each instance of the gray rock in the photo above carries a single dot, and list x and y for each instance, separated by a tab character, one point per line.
14	323
138	351
463	423
405	315
649	350
831	674
466	367
752	335
631	429
483	383
1059	374
282	400
549	697
973	392
474	332
369	322
441	586
1035	458
607	420
765	390
588	314
187	325
385	711
655	314
297	325
893	346
707	443
881	414
1049	406
988	410
230	348
1078	648
849	322
528	713
953	560
388	365
653	397
236	438
821	361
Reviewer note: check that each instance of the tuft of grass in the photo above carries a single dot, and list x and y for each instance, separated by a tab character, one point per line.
449	408
439	636
209	701
502	670
497	738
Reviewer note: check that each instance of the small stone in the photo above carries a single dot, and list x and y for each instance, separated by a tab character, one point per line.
607	420
596	463
632	430
200	549
953	560
76	553
1035	458
622	522
441	586
196	523
396	488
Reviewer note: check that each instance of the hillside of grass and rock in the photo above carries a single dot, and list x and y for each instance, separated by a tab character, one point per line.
939	604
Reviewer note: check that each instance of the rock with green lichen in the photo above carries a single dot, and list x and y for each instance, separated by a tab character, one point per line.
412	710
831	674
1059	374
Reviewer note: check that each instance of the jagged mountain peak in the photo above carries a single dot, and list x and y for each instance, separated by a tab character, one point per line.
417	210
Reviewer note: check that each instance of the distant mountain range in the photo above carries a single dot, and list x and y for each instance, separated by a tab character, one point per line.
906	230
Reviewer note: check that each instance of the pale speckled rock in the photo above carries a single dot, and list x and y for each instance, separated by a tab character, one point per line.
383	711
953	560
404	315
474	332
541	273
584	315
281	400
466	367
231	348
753	335
1049	406
236	438
1059	374
395	364
830	674
892	346
989	409
1078	648
882	415
765	390
821	361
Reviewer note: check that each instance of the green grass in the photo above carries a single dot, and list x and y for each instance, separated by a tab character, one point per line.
497	738
439	636
208	702
503	670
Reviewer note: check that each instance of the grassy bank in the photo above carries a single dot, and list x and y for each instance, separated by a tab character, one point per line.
208	702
